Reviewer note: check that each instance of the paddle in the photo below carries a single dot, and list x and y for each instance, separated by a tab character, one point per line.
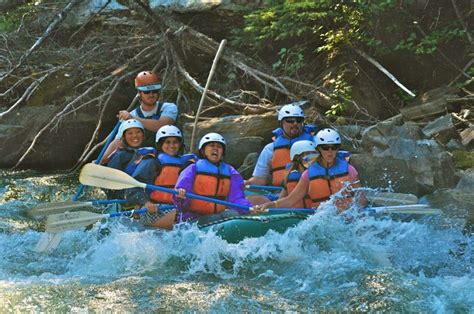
113	179
264	187
56	208
377	197
101	154
422	209
79	219
393	209
390	198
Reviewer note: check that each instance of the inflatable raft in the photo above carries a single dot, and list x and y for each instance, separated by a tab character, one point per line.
236	228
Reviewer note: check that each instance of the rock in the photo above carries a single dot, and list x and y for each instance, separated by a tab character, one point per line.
244	134
442	129
467	180
454	202
90	7
59	146
402	158
240	147
467	137
246	170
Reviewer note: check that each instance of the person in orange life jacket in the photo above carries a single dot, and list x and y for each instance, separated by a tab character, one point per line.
128	157
302	154
151	113
161	171
210	177
271	164
327	176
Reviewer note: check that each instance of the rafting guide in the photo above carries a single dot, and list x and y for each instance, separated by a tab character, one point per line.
271	164
151	113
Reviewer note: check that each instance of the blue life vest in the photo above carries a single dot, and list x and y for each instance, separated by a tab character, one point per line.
140	153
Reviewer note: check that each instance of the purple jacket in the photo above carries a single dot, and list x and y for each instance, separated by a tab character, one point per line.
186	181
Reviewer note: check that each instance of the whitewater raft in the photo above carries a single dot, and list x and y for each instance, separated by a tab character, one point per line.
236	228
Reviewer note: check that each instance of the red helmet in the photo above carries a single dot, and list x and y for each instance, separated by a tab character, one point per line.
146	81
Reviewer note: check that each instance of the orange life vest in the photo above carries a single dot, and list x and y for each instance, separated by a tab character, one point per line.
281	153
291	182
171	166
212	181
327	181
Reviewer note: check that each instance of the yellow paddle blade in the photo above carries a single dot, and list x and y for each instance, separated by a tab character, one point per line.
107	178
56	208
389	198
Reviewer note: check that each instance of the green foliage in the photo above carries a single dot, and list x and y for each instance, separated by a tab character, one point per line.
290	61
11	20
424	45
290	34
340	95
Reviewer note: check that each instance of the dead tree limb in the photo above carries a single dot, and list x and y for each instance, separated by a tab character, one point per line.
463	24
30	90
384	71
58	116
55	22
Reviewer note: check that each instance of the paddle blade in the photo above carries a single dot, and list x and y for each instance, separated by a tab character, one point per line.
56	208
48	242
107	178
72	220
389	198
420	209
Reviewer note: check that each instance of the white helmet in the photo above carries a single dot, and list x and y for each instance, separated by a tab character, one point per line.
167	131
301	147
211	137
128	124
290	110
327	136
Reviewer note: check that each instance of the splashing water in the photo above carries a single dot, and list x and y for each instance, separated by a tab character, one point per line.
327	262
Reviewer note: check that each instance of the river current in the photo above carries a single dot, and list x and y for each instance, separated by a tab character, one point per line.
326	263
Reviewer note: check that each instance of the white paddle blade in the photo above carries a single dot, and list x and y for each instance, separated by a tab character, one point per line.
107	178
420	209
48	242
56	208
72	220
389	198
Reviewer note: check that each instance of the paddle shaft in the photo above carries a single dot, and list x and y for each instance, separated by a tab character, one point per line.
101	154
264	187
195	196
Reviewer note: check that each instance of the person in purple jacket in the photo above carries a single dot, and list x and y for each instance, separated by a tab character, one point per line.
210	177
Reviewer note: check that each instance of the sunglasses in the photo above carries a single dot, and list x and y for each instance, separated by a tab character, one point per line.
293	120
328	147
150	92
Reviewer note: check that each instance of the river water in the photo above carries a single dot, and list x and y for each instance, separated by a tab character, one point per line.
324	264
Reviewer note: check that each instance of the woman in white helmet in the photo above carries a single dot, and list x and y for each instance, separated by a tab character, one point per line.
164	171
210	177
302	154
325	177
126	158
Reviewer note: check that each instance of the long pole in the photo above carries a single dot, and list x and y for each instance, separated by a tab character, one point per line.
204	92
101	154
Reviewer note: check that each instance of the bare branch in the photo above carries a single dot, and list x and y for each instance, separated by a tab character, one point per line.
57	19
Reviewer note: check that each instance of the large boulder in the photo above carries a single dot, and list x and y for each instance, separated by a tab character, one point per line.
400	156
58	147
243	134
87	8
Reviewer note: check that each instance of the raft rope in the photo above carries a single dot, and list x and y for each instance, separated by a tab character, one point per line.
265	219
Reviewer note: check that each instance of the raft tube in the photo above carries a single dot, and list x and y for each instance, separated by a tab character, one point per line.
236	228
